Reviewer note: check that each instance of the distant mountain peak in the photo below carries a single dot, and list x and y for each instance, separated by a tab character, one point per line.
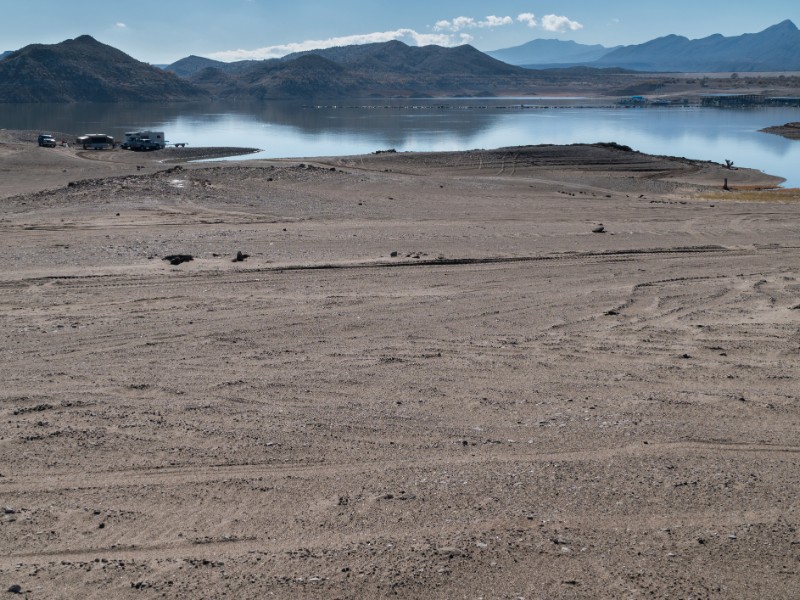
787	25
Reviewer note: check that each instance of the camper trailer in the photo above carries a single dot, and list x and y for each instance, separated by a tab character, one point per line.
95	141
143	140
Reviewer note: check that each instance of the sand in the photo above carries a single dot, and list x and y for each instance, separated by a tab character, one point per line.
789	130
512	406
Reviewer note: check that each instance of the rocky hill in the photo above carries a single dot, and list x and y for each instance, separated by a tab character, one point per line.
84	70
6	53
396	59
191	65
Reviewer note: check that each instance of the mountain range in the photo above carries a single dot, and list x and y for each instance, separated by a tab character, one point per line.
369	70
777	48
84	70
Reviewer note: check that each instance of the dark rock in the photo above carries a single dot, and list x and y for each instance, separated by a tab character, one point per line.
449	551
599	229
176	259
393	254
14	589
612	313
241	256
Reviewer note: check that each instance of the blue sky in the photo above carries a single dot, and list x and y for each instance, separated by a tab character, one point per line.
162	31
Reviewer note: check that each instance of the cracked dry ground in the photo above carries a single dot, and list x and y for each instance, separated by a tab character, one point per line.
511	407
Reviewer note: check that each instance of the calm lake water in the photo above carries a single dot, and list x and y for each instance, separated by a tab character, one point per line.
287	129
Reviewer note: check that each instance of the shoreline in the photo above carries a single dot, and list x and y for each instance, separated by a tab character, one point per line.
20	148
789	131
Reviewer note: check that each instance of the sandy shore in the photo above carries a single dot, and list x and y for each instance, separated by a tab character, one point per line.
428	379
789	130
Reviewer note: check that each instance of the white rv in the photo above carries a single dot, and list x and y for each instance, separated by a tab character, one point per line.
143	140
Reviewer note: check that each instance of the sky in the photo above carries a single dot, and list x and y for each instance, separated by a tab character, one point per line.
163	31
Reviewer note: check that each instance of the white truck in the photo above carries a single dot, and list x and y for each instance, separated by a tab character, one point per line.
143	141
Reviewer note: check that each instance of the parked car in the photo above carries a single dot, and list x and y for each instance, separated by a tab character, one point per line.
48	141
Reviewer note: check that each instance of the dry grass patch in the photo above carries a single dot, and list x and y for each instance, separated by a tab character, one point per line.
754	194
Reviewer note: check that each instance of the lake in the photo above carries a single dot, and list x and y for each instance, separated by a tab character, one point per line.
292	129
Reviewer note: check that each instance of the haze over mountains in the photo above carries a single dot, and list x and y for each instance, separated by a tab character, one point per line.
547	52
84	70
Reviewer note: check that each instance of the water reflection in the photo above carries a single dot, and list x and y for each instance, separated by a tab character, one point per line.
359	126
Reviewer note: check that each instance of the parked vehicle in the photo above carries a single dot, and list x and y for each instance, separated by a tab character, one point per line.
46	140
143	141
96	141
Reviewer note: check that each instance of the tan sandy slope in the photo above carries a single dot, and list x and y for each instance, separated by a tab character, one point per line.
511	407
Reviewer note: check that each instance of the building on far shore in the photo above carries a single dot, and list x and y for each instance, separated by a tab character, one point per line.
743	100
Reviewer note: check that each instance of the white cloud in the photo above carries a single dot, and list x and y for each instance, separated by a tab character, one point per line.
557	23
120	25
493	21
447	32
405	35
461	23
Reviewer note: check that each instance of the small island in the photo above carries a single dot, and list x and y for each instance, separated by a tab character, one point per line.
790	130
